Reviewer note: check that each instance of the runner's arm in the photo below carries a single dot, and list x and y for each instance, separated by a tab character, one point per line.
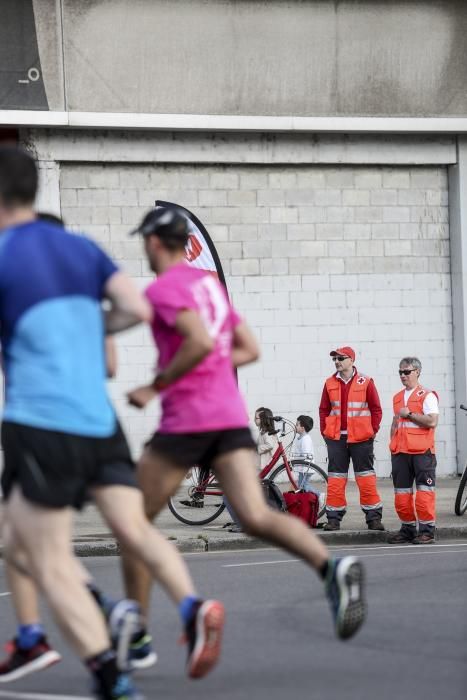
128	306
195	346
245	348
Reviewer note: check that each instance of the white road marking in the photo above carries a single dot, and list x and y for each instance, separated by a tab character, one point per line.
408	550
402	546
261	563
4	594
40	696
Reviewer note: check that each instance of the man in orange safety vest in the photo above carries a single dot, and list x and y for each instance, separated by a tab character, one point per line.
350	415
412	446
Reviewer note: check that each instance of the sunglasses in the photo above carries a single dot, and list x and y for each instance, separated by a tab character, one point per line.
339	358
406	372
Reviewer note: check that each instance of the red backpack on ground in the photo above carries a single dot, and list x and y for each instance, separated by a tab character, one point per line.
304	505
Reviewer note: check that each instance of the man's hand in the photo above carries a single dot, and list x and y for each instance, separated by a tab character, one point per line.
141	396
404	412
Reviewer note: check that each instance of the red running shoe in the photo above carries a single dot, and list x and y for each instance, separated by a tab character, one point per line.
204	637
21	662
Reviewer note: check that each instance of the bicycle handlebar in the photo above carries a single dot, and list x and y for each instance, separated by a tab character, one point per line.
281	432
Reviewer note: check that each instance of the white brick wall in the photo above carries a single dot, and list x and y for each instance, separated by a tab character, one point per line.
315	257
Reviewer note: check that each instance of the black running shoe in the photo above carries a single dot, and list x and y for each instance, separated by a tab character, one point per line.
344	588
21	662
204	637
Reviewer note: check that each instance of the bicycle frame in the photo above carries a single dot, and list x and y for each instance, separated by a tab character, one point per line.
210	487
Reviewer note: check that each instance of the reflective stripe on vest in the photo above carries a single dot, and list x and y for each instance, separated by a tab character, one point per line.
359	426
409	437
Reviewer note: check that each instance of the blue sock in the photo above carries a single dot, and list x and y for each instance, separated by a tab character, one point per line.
186	608
29	635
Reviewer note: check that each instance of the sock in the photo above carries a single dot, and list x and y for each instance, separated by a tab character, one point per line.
186	608
104	601
104	669
323	570
29	635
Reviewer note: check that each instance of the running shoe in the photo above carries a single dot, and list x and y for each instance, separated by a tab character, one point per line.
203	634
141	652
123	620
21	662
344	589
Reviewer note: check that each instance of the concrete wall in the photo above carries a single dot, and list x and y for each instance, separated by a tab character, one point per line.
316	255
306	58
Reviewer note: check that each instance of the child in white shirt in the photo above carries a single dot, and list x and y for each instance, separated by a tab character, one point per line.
303	448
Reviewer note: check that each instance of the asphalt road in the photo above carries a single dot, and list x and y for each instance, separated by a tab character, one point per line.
279	640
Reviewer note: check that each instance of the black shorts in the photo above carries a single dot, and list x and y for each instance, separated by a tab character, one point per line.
56	469
187	449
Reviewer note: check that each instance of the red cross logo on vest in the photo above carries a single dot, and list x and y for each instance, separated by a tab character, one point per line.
420	392
361	380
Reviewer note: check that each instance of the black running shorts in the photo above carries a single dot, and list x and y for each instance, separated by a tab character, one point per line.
56	470
187	449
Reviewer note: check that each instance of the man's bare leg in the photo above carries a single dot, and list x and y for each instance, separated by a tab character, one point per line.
344	578
24	596
159	479
45	535
122	508
238	477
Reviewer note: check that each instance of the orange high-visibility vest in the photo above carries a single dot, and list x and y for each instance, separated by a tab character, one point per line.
408	437
359	426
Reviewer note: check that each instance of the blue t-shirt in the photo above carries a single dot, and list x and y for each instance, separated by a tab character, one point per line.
52	332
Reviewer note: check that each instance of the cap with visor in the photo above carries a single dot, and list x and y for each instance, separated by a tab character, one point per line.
163	222
346	351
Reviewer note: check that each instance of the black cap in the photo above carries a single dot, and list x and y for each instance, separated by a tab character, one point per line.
163	222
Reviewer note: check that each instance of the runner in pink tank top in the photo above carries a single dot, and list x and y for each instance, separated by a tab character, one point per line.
206	398
201	341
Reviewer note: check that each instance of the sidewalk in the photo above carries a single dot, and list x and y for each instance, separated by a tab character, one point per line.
92	537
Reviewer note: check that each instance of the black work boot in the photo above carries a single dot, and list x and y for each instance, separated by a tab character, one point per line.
402	537
376	524
332	525
424	538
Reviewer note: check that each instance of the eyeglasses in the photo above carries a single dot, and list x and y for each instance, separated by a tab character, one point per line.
406	372
339	358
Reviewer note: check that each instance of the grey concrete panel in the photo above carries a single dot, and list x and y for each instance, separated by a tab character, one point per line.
307	58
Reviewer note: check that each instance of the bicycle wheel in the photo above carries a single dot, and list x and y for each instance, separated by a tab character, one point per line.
461	499
317	479
198	500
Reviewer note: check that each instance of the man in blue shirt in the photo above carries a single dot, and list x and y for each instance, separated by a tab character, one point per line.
60	435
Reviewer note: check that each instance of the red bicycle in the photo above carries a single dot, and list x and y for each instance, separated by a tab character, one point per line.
199	500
